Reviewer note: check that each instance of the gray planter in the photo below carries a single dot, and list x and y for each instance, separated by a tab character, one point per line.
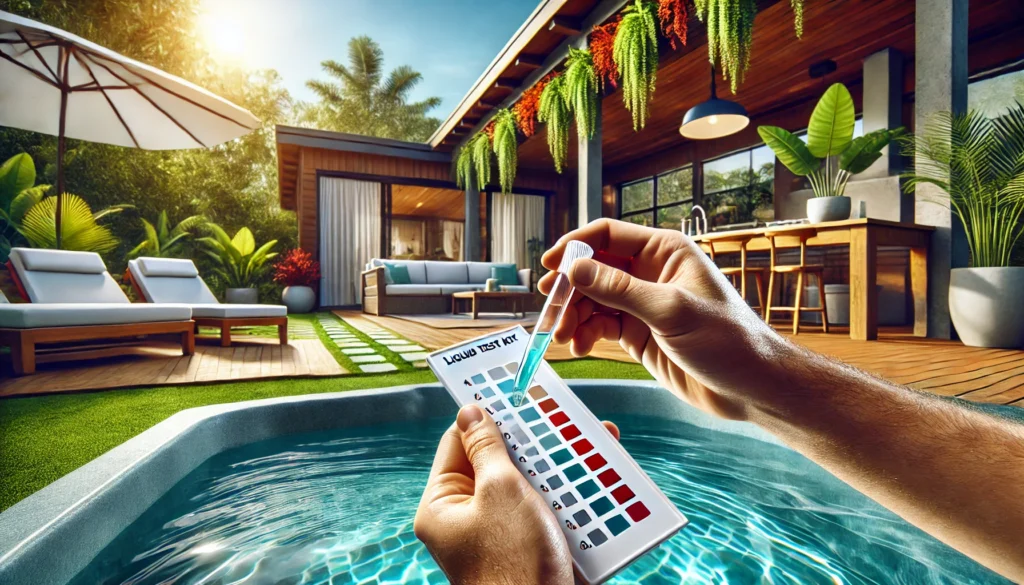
985	306
241	296
820	209
298	299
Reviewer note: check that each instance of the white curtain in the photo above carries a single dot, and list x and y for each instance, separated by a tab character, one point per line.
407	237
452	239
349	237
515	219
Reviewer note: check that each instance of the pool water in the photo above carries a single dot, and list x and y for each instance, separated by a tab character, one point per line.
338	507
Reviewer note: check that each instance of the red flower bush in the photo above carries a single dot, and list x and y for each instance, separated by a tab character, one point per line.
297	268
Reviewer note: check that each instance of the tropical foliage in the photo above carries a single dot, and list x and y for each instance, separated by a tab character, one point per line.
829	135
506	147
297	268
602	49
18	193
730	28
79	226
163	241
238	263
361	100
554	111
581	91
526	108
798	17
464	167
480	150
673	15
979	163
636	56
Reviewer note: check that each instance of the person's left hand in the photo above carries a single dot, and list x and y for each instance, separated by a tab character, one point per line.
481	520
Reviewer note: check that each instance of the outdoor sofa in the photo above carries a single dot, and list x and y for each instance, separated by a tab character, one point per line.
73	298
171	280
430	286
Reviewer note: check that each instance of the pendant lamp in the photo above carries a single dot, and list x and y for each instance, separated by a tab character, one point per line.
714	118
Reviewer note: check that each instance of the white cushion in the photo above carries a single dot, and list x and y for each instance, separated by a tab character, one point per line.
417	272
446	272
31	316
524	277
515	288
171	289
412	289
447	289
48	286
168	267
60	261
479	272
227	311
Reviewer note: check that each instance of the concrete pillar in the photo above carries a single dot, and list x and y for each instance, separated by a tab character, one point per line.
589	189
471	228
883	106
940	84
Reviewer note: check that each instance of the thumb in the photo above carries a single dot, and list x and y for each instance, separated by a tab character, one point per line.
483	444
651	302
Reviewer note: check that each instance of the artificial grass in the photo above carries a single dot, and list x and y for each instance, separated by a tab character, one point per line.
46	437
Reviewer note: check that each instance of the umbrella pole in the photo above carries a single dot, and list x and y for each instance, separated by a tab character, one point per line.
61	139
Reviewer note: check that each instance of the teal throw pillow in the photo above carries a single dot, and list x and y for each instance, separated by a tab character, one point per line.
505	273
397	273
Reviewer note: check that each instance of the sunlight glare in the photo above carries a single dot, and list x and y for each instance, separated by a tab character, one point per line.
223	29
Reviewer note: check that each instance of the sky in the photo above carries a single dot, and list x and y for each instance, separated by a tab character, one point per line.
450	42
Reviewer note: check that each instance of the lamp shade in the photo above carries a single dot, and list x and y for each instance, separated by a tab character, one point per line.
714	118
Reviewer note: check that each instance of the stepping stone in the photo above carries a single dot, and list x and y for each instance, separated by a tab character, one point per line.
357	350
367	359
420	364
415	356
378	368
405	348
353	344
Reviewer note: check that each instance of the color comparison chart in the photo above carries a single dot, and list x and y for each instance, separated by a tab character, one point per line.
610	511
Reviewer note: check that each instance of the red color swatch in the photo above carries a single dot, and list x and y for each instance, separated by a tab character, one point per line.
548	405
595	462
608	478
582	446
570	432
638	511
558	419
623	494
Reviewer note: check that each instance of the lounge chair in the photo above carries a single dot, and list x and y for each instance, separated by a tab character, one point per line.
73	298
167	280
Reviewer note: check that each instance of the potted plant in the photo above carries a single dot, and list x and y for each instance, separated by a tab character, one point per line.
829	135
979	163
298	272
239	262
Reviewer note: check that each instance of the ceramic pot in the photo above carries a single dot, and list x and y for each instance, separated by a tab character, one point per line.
241	296
491	285
298	299
821	209
985	306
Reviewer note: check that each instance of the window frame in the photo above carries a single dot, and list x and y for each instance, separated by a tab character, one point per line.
655	208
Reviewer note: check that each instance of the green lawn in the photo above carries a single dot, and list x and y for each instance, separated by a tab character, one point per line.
44	438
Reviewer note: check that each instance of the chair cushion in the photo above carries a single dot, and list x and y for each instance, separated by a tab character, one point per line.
171	289
515	288
505	273
228	311
446	272
447	289
479	272
396	273
412	289
52	286
31	316
60	261
170	267
417	272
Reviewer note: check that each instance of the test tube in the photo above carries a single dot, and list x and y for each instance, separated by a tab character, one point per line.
550	315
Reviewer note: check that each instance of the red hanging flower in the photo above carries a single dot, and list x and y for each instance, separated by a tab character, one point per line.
297	268
526	108
672	14
602	43
489	130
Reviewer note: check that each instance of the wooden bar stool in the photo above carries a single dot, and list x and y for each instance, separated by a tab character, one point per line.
738	274
816	270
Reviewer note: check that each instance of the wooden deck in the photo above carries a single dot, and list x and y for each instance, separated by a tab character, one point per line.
942	367
156	363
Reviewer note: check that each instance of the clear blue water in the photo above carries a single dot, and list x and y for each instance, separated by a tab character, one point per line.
534	355
338	507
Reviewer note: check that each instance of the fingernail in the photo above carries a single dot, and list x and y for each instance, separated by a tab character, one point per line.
469	416
584	272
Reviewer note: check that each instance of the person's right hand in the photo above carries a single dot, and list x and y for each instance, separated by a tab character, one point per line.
657	294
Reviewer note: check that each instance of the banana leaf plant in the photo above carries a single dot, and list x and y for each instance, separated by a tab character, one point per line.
239	263
163	241
18	193
829	135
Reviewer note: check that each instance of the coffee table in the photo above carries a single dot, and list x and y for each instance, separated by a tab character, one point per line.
513	302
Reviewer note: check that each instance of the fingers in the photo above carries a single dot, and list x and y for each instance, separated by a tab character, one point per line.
655	304
483	445
594	329
612	428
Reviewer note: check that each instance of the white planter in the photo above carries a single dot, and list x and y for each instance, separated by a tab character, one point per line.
821	209
298	299
241	296
985	304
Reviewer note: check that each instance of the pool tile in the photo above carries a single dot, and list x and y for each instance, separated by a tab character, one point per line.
595	462
575	472
608	477
623	494
597	538
581	518
602	506
638	511
529	414
561	457
616	524
587	488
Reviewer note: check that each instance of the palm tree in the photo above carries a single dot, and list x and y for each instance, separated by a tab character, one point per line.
362	101
163	241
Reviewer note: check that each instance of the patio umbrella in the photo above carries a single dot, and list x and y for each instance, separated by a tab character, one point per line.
57	83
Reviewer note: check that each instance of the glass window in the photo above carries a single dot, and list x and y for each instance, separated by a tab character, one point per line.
672	217
676	186
728	172
662	201
644	219
738	187
637	196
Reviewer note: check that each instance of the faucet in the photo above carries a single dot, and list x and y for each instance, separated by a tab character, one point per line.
696	222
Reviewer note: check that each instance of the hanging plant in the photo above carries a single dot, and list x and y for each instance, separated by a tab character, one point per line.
602	43
489	130
673	14
526	108
636	55
506	146
480	148
581	91
555	113
798	17
730	26
464	167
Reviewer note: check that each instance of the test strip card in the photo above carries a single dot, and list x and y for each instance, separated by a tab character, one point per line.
609	509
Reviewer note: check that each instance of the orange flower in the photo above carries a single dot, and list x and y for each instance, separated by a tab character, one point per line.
526	108
672	14
602	42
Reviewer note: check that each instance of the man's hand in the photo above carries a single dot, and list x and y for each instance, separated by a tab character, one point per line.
481	520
